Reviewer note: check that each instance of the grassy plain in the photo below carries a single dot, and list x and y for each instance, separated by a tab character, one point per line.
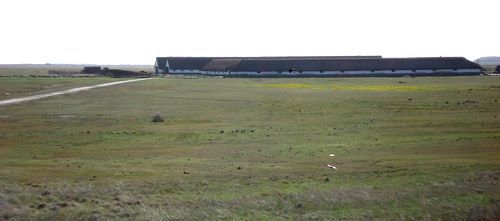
13	87
43	69
405	148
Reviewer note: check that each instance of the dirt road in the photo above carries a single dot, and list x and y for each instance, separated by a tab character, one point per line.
69	91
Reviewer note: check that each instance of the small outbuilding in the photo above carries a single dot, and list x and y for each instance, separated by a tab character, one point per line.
91	70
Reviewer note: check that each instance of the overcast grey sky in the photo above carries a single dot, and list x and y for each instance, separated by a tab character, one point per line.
135	32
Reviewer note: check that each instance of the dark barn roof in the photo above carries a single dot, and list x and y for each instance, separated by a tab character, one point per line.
161	62
198	63
187	63
356	64
224	64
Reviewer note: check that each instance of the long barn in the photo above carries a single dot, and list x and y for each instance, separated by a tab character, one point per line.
329	66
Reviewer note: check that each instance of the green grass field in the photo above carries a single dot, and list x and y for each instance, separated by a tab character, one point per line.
21	70
255	149
13	87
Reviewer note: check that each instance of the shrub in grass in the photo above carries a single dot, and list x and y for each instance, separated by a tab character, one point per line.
157	118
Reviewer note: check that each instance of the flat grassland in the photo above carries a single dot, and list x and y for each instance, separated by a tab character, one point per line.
405	148
13	87
42	70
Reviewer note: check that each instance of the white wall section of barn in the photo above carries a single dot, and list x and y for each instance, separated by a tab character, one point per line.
428	71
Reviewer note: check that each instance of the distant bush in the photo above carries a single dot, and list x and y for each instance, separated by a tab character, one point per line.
157	118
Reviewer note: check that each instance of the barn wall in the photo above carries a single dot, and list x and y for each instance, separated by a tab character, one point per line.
364	72
185	71
389	72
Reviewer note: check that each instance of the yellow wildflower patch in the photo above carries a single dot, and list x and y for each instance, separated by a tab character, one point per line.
292	86
381	88
401	88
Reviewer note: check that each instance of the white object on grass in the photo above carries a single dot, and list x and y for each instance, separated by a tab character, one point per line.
331	166
332	155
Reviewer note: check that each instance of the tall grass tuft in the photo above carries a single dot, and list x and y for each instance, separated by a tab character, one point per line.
158	118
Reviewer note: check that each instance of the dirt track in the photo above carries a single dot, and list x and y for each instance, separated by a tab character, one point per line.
69	91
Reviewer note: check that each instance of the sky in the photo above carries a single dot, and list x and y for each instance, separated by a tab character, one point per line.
135	32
